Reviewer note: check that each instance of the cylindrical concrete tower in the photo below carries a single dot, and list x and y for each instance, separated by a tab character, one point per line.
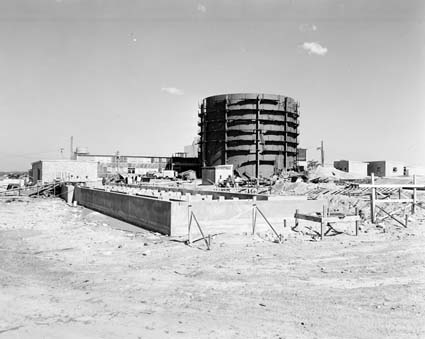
257	133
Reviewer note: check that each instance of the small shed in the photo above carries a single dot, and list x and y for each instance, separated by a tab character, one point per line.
214	174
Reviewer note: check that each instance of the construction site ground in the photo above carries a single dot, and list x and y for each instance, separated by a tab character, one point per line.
72	273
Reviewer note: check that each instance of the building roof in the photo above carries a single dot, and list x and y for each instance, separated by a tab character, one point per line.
63	160
122	155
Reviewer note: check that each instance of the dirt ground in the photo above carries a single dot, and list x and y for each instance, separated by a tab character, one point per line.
70	273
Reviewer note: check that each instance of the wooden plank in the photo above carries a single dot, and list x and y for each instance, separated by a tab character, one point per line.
348	218
308	217
314	218
381	201
391	186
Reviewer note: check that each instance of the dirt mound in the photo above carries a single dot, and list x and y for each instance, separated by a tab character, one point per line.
332	174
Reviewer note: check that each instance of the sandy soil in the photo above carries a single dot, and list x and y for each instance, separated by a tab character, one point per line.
67	273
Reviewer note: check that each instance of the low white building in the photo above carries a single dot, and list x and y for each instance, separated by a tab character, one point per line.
214	174
385	168
352	166
47	171
415	170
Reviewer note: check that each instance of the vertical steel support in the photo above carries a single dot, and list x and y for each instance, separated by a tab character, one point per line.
203	135
285	136
296	135
257	140
226	111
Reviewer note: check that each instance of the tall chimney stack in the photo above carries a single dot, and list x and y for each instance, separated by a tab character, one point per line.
71	155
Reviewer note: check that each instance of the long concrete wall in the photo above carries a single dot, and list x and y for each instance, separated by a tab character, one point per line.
172	217
236	216
151	214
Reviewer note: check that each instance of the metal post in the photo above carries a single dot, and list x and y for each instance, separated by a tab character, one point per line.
322	154
406	220
372	200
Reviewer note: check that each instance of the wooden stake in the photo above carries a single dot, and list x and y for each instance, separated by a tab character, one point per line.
189	238
414	195
372	201
322	223
254	214
296	219
357	222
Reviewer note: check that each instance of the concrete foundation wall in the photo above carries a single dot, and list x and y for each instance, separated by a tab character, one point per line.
172	217
67	193
151	214
236	216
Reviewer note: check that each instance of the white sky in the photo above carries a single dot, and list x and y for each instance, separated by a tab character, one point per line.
128	75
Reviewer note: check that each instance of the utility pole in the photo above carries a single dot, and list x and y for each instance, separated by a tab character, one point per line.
117	157
322	154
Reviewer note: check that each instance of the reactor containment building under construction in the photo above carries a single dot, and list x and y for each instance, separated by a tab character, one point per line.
256	133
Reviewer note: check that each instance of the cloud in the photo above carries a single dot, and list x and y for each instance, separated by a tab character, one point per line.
201	8
307	28
172	90
314	48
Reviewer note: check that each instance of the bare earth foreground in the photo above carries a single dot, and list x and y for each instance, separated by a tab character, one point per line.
67	273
